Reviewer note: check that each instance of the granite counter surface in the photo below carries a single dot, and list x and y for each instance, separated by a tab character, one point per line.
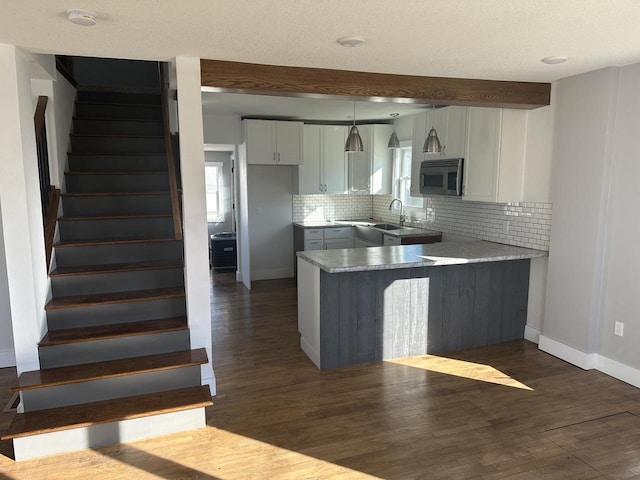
412	256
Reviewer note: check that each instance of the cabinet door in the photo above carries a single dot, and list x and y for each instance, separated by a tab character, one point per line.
360	163
309	179
381	161
338	243
261	142
456	129
483	153
391	240
289	143
314	245
334	164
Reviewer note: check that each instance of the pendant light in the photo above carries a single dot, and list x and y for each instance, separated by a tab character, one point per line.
432	142
354	142
393	140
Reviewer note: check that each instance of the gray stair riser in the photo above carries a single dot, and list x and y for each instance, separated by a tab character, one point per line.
116	205
120	253
117	163
116	144
117	183
96	390
119	97
118	228
116	282
115	313
114	348
117	126
98	110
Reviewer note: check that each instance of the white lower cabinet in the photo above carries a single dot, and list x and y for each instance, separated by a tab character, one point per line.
328	238
391	240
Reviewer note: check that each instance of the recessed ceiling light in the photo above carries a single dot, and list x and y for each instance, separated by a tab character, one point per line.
350	41
554	60
82	17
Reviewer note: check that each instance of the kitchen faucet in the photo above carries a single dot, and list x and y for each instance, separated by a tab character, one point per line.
401	214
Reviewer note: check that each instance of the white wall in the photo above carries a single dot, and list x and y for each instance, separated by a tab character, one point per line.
222	129
576	247
196	246
622	248
7	353
270	221
594	253
20	200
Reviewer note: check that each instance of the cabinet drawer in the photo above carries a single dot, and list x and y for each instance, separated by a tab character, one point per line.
313	234
314	244
392	240
337	243
339	232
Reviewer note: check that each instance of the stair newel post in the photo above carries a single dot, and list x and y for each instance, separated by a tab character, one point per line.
171	161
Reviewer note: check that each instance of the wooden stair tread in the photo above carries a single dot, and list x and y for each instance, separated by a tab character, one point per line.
115	217
51	377
111	194
105	172
126	408
113	268
76	301
112	241
117	330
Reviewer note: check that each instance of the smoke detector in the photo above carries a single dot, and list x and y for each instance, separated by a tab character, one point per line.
82	17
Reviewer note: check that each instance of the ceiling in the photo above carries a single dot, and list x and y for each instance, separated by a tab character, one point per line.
488	39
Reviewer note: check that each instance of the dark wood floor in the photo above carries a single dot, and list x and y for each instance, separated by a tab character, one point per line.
502	412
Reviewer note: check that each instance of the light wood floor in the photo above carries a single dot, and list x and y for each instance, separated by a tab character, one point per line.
504	412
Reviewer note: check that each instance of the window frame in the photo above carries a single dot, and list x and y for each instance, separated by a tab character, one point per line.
404	194
219	193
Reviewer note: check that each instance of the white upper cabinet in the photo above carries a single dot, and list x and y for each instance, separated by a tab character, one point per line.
451	125
370	171
272	142
494	169
324	167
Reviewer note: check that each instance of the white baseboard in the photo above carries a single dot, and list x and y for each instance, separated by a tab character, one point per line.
532	334
588	361
619	370
311	352
7	358
271	273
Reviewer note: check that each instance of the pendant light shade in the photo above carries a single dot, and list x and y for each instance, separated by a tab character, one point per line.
393	140
432	142
354	141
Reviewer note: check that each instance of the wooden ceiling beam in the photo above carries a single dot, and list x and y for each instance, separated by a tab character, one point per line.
259	79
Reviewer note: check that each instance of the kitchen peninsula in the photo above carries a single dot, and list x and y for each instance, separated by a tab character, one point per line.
364	305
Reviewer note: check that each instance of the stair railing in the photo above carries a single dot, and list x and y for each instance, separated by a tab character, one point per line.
49	195
173	177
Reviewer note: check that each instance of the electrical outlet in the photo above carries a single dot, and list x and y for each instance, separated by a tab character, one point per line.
619	329
505	226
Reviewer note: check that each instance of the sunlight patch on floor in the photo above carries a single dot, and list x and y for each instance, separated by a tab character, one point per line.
215	454
460	368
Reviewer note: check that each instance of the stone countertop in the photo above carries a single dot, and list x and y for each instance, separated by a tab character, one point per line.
403	232
412	256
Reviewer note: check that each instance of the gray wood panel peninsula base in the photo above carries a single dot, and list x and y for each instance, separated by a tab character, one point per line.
366	305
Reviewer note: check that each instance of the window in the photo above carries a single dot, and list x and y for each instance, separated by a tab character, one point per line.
402	175
213	177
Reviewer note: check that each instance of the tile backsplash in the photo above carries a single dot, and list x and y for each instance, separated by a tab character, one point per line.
331	207
521	224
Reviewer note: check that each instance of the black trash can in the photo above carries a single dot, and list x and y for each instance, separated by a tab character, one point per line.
223	251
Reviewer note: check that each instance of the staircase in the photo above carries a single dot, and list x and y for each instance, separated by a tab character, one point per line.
116	363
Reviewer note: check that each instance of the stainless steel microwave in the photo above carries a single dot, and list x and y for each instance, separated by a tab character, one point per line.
441	177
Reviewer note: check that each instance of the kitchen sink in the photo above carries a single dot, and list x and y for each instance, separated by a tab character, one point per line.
387	226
